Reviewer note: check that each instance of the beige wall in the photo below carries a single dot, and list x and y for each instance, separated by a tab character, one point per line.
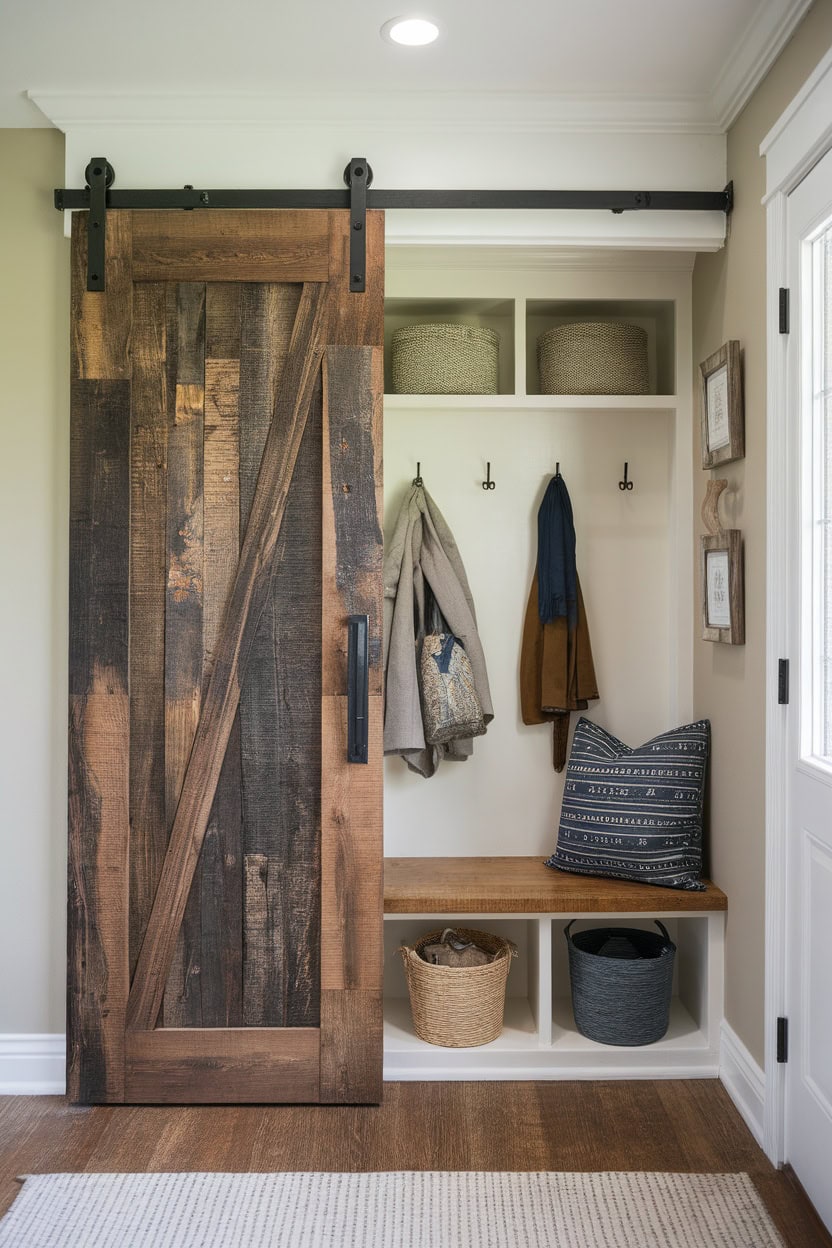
729	301
34	366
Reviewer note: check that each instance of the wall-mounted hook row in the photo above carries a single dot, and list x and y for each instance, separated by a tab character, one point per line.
490	484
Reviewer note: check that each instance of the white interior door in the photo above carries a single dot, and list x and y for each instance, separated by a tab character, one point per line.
809	856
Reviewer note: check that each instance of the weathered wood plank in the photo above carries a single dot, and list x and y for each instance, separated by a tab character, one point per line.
279	743
268	314
221	472
351	854
221	864
351	1070
353	552
266	323
351	796
221	898
224	246
101	320
98	918
356	319
252	587
148	576
222	320
297	663
263	978
184	644
234	1065
519	885
351	851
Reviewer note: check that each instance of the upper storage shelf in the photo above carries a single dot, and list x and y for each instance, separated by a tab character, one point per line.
518	323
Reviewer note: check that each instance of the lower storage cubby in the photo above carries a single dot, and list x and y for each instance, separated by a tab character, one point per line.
539	1038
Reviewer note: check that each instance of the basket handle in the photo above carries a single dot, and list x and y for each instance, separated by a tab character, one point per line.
658	923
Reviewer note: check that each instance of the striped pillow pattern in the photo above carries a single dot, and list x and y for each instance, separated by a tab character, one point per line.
635	814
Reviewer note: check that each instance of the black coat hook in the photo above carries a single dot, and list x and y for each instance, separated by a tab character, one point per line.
557	469
626	484
488	484
417	480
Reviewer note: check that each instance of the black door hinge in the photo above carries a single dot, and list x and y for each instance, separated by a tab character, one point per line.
783	682
784	309
782	1039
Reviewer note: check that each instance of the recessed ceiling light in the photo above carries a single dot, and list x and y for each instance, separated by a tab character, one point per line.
413	32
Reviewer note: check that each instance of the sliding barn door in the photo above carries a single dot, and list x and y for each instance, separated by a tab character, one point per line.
225	860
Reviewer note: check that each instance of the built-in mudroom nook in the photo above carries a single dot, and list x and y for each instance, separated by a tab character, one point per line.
466	845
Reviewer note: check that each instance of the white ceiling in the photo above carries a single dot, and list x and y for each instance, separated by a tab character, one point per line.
689	62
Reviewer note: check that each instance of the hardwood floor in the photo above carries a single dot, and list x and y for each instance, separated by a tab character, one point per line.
676	1126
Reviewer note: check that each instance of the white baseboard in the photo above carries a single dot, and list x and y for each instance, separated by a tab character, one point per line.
32	1065
744	1081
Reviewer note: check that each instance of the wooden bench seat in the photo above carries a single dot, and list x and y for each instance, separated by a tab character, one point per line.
525	886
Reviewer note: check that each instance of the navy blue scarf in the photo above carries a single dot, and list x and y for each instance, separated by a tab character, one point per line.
557	576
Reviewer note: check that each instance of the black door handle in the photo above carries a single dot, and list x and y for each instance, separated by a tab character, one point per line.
357	688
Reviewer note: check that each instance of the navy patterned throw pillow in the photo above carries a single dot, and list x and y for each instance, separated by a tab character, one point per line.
635	814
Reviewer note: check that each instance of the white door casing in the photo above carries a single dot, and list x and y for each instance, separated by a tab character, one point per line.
798	889
808	1091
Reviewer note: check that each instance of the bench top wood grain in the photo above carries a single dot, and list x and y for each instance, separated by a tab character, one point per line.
525	886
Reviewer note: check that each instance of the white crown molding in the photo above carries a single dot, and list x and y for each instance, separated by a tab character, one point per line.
743	1080
32	1065
492	111
772	26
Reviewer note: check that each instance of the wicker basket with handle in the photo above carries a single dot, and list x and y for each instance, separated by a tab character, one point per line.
445	359
458	1007
593	357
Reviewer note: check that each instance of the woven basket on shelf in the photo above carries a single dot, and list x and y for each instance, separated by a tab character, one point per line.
444	359
593	357
622	979
458	1007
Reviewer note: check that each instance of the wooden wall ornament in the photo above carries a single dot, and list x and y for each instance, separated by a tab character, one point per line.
225	883
721	573
722	416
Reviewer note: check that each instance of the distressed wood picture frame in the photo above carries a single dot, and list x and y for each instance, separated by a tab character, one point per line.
721	409
723	587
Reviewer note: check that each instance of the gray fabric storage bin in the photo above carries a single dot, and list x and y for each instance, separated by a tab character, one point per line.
622	979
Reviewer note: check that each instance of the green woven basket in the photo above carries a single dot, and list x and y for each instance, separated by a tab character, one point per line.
445	359
593	357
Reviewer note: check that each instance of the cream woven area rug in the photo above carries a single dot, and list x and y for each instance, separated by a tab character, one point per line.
407	1209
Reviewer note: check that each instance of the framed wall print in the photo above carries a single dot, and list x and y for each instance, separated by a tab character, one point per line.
723	588
723	419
